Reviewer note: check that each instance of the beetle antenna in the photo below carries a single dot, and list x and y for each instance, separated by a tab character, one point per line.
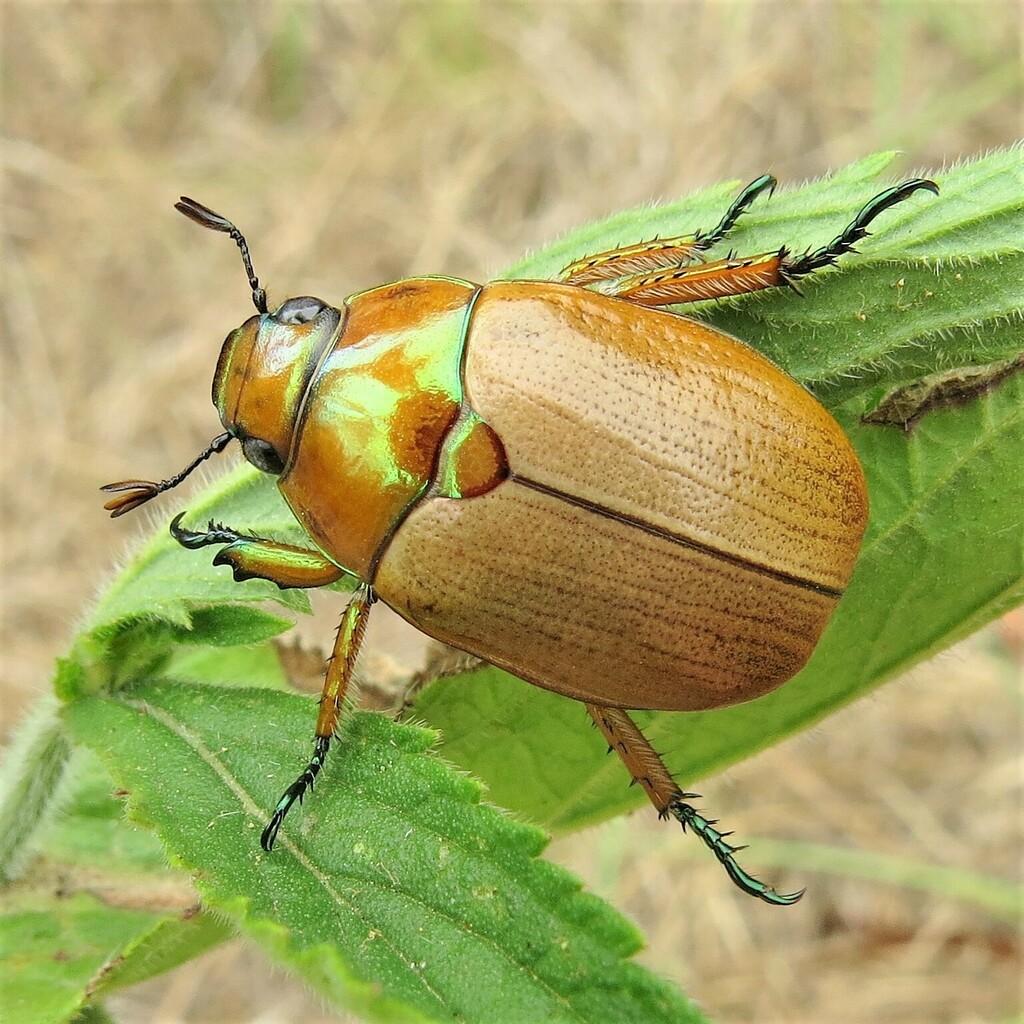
133	493
765	183
208	218
857	229
714	840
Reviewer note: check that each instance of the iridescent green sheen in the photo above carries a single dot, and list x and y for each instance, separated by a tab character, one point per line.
354	396
446	483
375	415
284	564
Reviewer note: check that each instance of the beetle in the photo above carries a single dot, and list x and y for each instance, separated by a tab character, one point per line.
608	499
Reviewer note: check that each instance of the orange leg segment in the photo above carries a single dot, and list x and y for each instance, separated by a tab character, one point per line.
706	280
670	271
662	253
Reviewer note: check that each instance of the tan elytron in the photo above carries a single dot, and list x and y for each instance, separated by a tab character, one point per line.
679	520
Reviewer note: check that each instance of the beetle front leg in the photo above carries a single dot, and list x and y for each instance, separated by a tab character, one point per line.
339	673
252	557
648	769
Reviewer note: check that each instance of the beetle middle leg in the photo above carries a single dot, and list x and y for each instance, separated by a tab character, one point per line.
339	674
648	769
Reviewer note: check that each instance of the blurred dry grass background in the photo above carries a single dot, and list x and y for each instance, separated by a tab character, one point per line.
359	142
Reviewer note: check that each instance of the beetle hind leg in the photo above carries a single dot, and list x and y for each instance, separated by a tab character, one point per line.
649	771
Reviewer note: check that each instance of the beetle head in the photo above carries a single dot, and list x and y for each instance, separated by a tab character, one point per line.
266	363
264	369
262	374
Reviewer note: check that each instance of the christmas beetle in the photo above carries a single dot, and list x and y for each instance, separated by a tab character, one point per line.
610	500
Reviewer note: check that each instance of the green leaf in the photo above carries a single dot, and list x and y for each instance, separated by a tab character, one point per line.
242	666
171	941
98	910
229	625
397	892
937	285
59	953
51	952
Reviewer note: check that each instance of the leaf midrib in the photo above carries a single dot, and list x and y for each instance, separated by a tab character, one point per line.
251	807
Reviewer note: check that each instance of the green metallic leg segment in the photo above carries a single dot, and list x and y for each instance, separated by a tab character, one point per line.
253	557
714	840
339	673
766	183
855	231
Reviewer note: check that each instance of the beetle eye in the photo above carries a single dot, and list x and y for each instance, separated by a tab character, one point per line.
262	455
300	310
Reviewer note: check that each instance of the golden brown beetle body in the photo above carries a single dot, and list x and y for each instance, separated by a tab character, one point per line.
617	503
